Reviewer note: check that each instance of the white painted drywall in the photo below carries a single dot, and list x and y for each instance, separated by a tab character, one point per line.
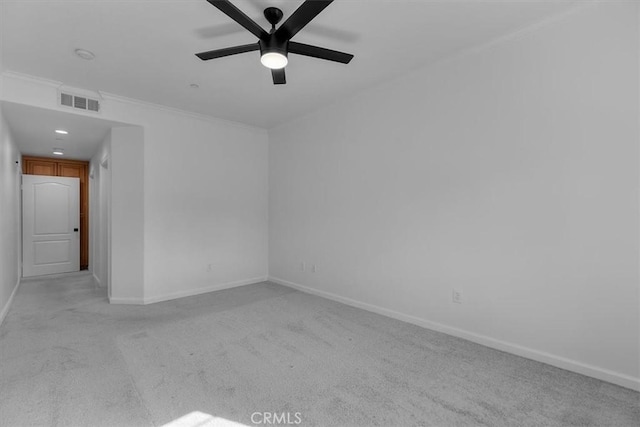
204	196
509	173
117	216
127	209
99	199
10	209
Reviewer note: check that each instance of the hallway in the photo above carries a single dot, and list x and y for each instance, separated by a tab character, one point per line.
59	362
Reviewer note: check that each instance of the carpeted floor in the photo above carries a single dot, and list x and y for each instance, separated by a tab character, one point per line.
69	358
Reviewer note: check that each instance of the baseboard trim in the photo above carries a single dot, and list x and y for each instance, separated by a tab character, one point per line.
207	289
130	301
5	309
529	353
187	293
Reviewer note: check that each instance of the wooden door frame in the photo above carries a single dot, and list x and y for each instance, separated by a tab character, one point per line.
28	163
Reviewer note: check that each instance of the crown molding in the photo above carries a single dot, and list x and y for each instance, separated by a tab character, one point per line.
106	96
30	78
494	43
186	113
524	30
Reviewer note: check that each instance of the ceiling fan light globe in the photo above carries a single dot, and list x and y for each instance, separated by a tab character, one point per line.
274	60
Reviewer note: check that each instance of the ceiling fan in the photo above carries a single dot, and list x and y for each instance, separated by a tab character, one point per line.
276	45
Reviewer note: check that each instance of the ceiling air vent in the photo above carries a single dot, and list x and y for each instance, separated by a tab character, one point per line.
79	102
66	99
93	105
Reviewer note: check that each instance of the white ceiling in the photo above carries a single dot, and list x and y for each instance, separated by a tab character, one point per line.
34	131
145	49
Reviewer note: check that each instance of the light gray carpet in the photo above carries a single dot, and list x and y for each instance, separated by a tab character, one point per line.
67	357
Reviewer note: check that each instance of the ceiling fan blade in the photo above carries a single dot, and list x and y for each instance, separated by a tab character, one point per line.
319	52
226	7
219	53
278	76
301	17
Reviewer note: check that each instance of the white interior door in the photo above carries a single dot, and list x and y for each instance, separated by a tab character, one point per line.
50	224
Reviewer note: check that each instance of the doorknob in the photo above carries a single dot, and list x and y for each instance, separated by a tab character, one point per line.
75	229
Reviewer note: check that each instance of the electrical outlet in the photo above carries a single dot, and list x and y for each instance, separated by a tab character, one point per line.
456	296
313	268
303	266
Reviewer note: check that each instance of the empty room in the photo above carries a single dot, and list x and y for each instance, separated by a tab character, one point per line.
320	213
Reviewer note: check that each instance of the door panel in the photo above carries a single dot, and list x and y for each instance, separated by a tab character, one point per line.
47	168
51	252
51	208
70	170
39	166
50	220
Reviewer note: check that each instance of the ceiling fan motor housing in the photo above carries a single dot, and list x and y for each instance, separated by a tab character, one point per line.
274	44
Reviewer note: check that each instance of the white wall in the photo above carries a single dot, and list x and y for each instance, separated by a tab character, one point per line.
99	199
10	237
205	202
203	187
117	215
509	173
127	209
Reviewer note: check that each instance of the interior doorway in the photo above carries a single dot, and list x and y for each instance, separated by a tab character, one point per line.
44	166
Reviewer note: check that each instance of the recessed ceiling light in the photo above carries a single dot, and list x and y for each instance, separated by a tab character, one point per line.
84	54
62	132
58	151
194	86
